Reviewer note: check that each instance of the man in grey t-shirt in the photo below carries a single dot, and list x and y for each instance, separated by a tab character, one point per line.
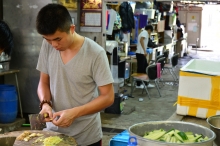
72	68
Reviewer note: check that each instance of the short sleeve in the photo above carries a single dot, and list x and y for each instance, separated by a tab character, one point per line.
145	34
42	64
101	70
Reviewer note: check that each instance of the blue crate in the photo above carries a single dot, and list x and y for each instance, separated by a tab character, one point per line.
120	139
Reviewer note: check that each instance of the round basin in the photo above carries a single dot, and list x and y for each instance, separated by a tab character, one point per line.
214	123
139	129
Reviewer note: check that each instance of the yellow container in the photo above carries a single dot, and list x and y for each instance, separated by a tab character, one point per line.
199	91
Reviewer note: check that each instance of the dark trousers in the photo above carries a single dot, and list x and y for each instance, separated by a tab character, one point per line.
141	65
99	143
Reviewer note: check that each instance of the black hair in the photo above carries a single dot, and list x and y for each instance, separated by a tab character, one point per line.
51	18
6	38
149	27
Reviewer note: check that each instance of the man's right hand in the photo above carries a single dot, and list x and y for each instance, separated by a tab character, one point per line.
145	54
46	109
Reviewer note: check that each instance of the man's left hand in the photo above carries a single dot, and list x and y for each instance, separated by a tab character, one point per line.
64	118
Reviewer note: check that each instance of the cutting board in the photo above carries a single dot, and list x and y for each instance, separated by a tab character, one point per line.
67	140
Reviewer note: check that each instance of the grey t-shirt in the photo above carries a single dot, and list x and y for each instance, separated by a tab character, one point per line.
74	84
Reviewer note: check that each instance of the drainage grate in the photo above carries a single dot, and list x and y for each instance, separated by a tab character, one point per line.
112	130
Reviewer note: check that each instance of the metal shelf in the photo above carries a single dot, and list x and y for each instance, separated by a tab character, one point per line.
153	33
112	3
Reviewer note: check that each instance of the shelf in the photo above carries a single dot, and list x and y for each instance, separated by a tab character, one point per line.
153	33
112	3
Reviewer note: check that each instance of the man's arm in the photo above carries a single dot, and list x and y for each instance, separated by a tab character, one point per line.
43	92
104	100
142	45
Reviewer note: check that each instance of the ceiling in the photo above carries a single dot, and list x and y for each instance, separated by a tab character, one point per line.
191	2
188	0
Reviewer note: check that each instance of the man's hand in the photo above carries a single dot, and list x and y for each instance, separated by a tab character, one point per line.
46	109
65	118
145	54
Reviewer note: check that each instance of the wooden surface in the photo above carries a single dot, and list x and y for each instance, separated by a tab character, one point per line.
67	140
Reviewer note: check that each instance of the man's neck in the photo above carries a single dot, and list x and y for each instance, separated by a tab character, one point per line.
76	43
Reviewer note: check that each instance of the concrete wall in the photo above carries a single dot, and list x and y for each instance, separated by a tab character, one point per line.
20	16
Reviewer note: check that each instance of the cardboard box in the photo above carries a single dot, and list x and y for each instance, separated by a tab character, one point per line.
199	89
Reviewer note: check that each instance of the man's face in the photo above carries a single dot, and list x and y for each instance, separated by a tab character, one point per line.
60	40
149	32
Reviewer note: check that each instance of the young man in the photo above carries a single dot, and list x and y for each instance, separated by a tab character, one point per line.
72	68
141	53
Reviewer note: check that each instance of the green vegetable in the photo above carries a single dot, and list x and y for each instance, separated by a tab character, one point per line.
182	135
178	136
155	134
175	136
194	139
188	133
170	132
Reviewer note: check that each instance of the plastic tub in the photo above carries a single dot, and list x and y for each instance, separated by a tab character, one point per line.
8	103
202	66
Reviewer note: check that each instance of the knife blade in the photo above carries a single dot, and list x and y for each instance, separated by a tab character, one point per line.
7	141
37	121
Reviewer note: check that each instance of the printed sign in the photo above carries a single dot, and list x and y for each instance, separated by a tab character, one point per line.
91	15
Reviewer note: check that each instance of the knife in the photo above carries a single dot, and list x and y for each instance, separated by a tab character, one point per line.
37	121
7	141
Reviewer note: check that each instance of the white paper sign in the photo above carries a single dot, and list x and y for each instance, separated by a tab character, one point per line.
191	26
195	29
90	29
92	19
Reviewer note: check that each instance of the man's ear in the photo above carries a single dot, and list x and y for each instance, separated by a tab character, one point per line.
72	28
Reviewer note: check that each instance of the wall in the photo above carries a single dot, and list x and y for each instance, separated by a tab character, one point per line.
184	16
210	31
1	9
205	27
210	19
21	16
99	37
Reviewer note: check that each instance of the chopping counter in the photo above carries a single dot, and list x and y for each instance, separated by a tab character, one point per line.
66	140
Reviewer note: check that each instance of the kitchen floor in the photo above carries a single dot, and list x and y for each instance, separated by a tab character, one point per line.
154	109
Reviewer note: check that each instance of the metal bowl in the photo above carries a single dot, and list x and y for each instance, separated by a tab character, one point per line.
214	123
139	129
